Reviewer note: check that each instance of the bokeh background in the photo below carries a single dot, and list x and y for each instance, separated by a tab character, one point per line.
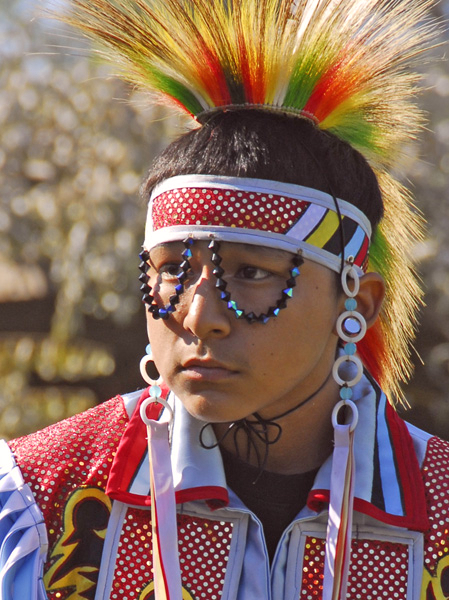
73	151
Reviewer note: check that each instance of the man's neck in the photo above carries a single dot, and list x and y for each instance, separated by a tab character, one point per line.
304	444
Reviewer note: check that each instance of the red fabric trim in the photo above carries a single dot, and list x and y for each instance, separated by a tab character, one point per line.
132	448
414	522
216	497
318	499
409	471
361	256
415	517
128	498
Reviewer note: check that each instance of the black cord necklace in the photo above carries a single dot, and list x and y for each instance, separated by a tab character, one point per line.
257	428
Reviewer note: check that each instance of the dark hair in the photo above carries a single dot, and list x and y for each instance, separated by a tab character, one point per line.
268	145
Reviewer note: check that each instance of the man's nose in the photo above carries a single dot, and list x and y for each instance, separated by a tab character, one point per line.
206	314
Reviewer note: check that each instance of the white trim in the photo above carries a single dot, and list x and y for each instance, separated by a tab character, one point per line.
307	221
130	401
109	555
248	573
23	534
255	237
420	440
361	531
187	452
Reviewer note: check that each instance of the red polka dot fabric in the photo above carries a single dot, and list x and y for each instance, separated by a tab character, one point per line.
225	208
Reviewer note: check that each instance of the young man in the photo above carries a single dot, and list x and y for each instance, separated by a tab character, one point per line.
292	475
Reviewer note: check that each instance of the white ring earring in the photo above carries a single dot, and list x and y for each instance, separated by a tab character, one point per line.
351	326
155	391
143	369
347	358
148	358
350	271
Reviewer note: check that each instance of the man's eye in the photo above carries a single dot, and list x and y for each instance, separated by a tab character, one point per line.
254	273
169	270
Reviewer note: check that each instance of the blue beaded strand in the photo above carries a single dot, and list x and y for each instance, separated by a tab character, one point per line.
156	311
251	317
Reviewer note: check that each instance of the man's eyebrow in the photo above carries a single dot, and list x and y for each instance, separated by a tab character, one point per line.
261	251
167	245
264	250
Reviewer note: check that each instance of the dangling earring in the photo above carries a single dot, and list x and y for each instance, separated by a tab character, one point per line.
351	328
148	369
155	390
154	383
163	501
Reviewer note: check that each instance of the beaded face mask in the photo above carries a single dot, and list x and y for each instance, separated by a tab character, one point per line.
163	312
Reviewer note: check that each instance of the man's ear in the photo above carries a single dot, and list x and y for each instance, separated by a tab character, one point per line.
370	297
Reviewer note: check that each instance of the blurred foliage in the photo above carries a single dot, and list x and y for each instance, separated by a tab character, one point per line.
428	392
72	157
72	154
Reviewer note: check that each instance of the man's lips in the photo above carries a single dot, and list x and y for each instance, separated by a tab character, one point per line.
206	370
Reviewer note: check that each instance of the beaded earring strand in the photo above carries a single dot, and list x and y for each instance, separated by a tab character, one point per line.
351	328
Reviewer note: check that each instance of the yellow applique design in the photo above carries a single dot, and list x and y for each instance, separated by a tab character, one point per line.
147	593
436	587
75	558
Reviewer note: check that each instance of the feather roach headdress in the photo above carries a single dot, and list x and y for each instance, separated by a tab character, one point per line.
344	64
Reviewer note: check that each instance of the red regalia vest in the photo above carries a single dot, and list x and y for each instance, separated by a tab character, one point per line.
67	466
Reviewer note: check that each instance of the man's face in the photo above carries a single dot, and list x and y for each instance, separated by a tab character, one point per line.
223	368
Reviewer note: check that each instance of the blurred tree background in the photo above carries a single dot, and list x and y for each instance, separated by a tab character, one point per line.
73	152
